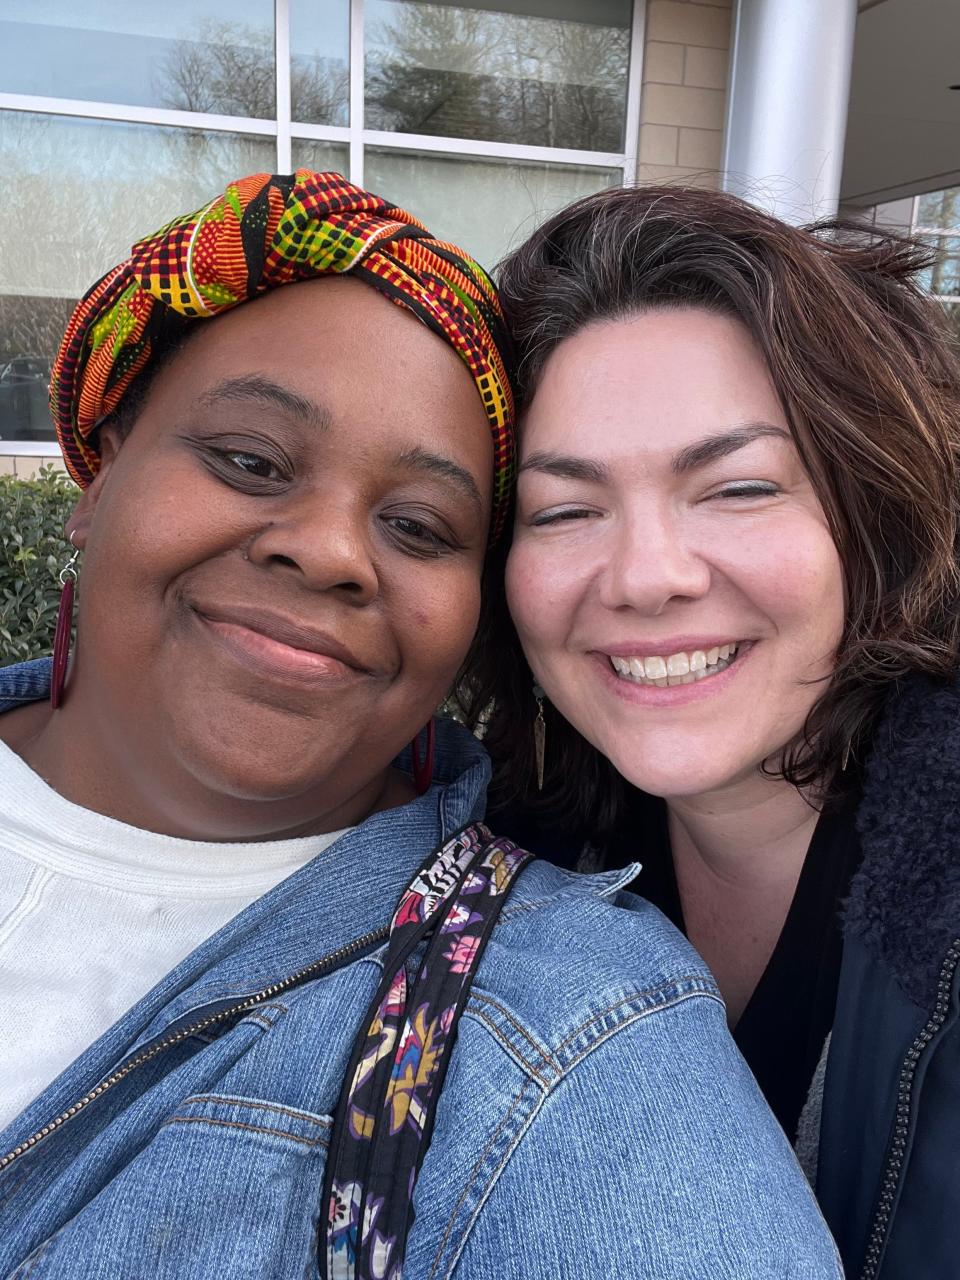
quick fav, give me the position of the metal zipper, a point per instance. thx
(894, 1163)
(314, 970)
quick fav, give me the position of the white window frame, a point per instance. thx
(355, 135)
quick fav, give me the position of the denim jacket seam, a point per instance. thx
(319, 1141)
(530, 1069)
(628, 1009)
(704, 990)
(255, 1104)
(35, 1256)
(650, 1000)
(544, 1057)
(628, 1020)
(472, 1178)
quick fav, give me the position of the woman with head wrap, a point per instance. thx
(227, 1021)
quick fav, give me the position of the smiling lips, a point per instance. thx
(678, 668)
(276, 646)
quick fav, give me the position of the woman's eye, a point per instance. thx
(748, 489)
(415, 532)
(252, 463)
(558, 517)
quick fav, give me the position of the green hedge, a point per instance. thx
(33, 550)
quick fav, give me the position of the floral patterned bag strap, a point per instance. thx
(384, 1119)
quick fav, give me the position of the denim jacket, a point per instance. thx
(596, 1121)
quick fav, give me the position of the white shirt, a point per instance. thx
(94, 913)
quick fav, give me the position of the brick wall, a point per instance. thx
(684, 93)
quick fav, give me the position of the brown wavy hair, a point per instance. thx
(868, 374)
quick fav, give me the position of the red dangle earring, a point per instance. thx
(61, 637)
(423, 769)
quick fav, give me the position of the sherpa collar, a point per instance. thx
(904, 901)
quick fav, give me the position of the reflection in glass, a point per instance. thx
(191, 55)
(944, 275)
(320, 61)
(486, 207)
(67, 225)
(952, 310)
(939, 209)
(322, 157)
(520, 73)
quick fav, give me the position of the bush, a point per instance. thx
(33, 550)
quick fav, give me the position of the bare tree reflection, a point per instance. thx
(227, 68)
(537, 81)
(87, 225)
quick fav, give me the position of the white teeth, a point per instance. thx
(678, 668)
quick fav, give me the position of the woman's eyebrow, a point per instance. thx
(712, 448)
(436, 464)
(566, 467)
(255, 387)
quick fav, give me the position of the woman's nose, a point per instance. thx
(649, 562)
(325, 543)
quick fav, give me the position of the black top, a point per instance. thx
(782, 1030)
(788, 1017)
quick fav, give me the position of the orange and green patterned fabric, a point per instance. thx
(263, 232)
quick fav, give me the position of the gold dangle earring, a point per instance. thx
(539, 735)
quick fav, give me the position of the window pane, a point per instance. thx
(487, 207)
(952, 310)
(517, 72)
(322, 157)
(62, 226)
(939, 209)
(944, 275)
(320, 61)
(193, 55)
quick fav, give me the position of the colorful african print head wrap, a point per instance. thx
(263, 232)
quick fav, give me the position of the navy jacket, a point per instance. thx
(888, 1176)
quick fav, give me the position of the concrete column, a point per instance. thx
(787, 104)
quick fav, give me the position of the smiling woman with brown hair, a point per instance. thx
(734, 579)
(245, 927)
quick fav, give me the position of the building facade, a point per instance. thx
(482, 116)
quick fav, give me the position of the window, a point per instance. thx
(481, 116)
(188, 55)
(936, 219)
(517, 72)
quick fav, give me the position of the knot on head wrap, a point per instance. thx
(263, 232)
